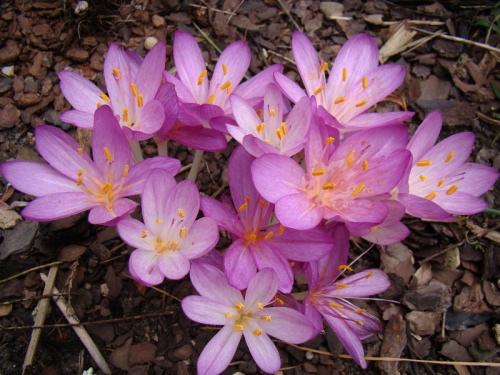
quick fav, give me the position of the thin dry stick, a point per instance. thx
(297, 26)
(233, 13)
(43, 307)
(457, 39)
(28, 271)
(208, 8)
(282, 56)
(80, 331)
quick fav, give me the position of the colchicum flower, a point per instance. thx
(248, 316)
(439, 182)
(255, 244)
(343, 185)
(73, 183)
(132, 83)
(355, 84)
(270, 130)
(170, 237)
(327, 296)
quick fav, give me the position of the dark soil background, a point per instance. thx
(449, 306)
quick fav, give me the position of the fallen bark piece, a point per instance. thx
(393, 345)
(456, 352)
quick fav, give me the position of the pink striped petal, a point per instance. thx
(148, 78)
(202, 237)
(56, 206)
(80, 119)
(206, 311)
(219, 351)
(283, 318)
(174, 265)
(103, 216)
(82, 94)
(263, 350)
(239, 264)
(143, 267)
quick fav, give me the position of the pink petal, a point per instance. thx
(174, 265)
(291, 89)
(118, 86)
(80, 119)
(460, 203)
(151, 119)
(202, 237)
(244, 115)
(148, 79)
(183, 93)
(255, 146)
(468, 175)
(157, 191)
(361, 284)
(239, 264)
(262, 288)
(263, 350)
(219, 351)
(225, 218)
(266, 256)
(426, 135)
(103, 216)
(132, 231)
(58, 205)
(206, 311)
(199, 138)
(287, 325)
(143, 266)
(388, 235)
(82, 94)
(251, 90)
(423, 208)
(298, 212)
(373, 119)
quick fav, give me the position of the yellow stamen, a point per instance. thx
(374, 227)
(80, 172)
(358, 322)
(280, 134)
(140, 100)
(451, 190)
(224, 69)
(227, 86)
(228, 315)
(282, 228)
(162, 81)
(341, 286)
(161, 247)
(344, 267)
(242, 207)
(183, 232)
(335, 305)
(252, 237)
(360, 311)
(268, 236)
(125, 115)
(283, 127)
(323, 67)
(339, 100)
(257, 332)
(365, 165)
(181, 212)
(365, 85)
(318, 90)
(210, 99)
(99, 105)
(260, 305)
(107, 154)
(159, 221)
(80, 151)
(238, 328)
(328, 186)
(318, 172)
(423, 178)
(125, 170)
(260, 127)
(106, 188)
(358, 190)
(262, 203)
(349, 159)
(104, 97)
(431, 196)
(266, 318)
(424, 163)
(174, 245)
(135, 92)
(239, 305)
(361, 103)
(279, 301)
(247, 199)
(116, 73)
(449, 157)
(267, 141)
(441, 181)
(329, 141)
(292, 264)
(144, 234)
(344, 74)
(201, 76)
(370, 274)
(79, 181)
(259, 113)
(272, 112)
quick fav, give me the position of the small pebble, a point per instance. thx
(150, 42)
(8, 70)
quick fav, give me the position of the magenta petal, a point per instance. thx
(266, 256)
(460, 203)
(219, 351)
(183, 93)
(373, 119)
(143, 267)
(36, 178)
(297, 212)
(210, 282)
(426, 135)
(226, 219)
(151, 119)
(263, 350)
(58, 205)
(199, 138)
(82, 94)
(283, 319)
(205, 311)
(78, 118)
(423, 208)
(174, 265)
(202, 237)
(131, 231)
(252, 90)
(103, 216)
(148, 79)
(313, 315)
(239, 264)
(291, 89)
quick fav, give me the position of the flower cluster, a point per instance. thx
(307, 175)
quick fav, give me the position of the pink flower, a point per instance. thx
(248, 316)
(170, 237)
(73, 183)
(132, 83)
(327, 296)
(355, 84)
(439, 182)
(255, 244)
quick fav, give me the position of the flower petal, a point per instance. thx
(219, 351)
(460, 203)
(239, 264)
(287, 325)
(298, 212)
(202, 237)
(173, 264)
(290, 88)
(266, 256)
(262, 288)
(82, 94)
(104, 216)
(251, 90)
(78, 118)
(263, 350)
(225, 218)
(151, 119)
(143, 267)
(58, 205)
(423, 208)
(374, 120)
(211, 283)
(206, 311)
(148, 78)
(157, 191)
(199, 138)
(426, 135)
(132, 232)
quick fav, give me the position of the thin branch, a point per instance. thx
(28, 271)
(297, 26)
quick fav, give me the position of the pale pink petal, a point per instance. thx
(359, 211)
(262, 288)
(143, 267)
(298, 212)
(244, 115)
(173, 264)
(226, 219)
(118, 85)
(426, 135)
(210, 282)
(262, 349)
(206, 311)
(148, 78)
(80, 119)
(157, 190)
(151, 119)
(362, 284)
(467, 176)
(460, 203)
(266, 256)
(373, 119)
(239, 264)
(58, 205)
(291, 89)
(423, 208)
(82, 94)
(388, 235)
(287, 325)
(252, 90)
(104, 216)
(219, 351)
(257, 147)
(183, 93)
(132, 232)
(202, 237)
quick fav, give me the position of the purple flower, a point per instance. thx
(355, 84)
(221, 304)
(341, 185)
(132, 84)
(439, 182)
(327, 296)
(255, 244)
(273, 130)
(201, 99)
(170, 236)
(74, 183)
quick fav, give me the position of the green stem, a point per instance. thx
(193, 173)
(492, 211)
(136, 149)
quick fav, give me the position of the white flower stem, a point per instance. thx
(136, 149)
(193, 173)
(162, 147)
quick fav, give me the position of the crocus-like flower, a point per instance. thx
(439, 182)
(250, 317)
(327, 296)
(201, 100)
(132, 84)
(256, 245)
(170, 236)
(356, 83)
(271, 131)
(339, 185)
(74, 183)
